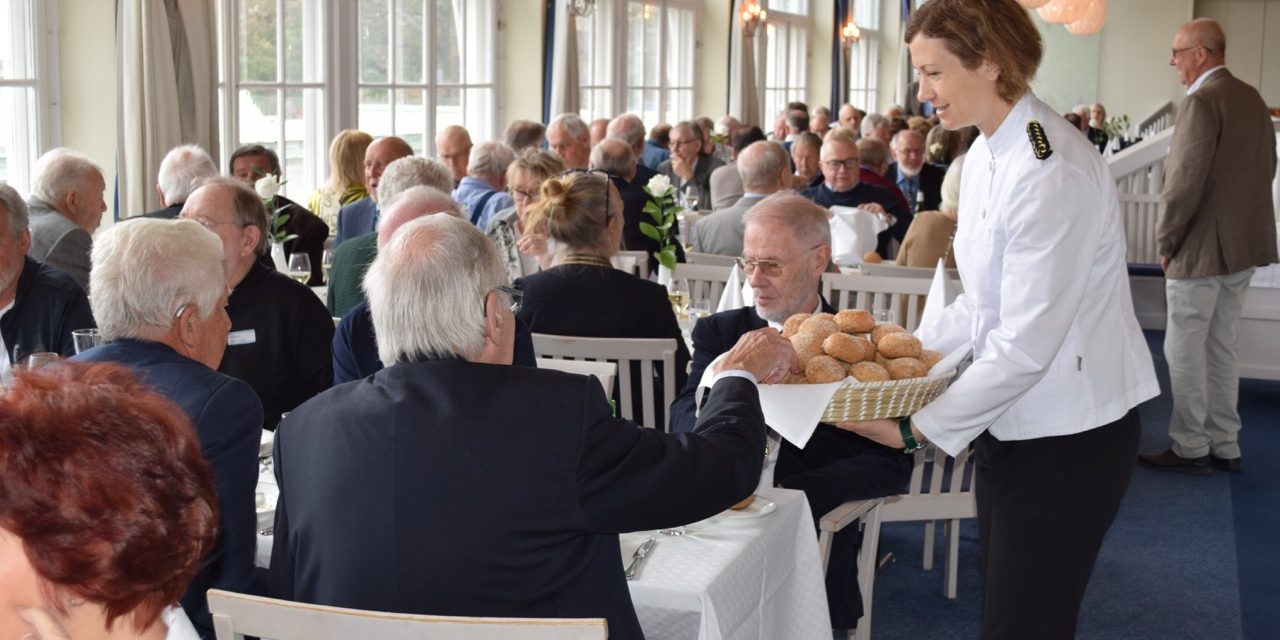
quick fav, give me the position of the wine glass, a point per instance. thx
(300, 267)
(690, 199)
(40, 359)
(326, 263)
(885, 316)
(678, 294)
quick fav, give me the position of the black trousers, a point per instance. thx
(837, 466)
(1044, 506)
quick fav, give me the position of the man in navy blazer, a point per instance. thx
(159, 289)
(919, 181)
(786, 247)
(453, 483)
(361, 217)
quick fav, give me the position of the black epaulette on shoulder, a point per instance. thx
(1039, 142)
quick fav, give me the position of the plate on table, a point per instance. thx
(759, 507)
(265, 443)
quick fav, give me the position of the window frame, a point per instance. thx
(797, 88)
(46, 86)
(864, 63)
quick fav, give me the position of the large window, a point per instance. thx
(25, 105)
(866, 56)
(786, 52)
(302, 70)
(654, 75)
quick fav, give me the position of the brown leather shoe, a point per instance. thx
(1167, 460)
(1225, 464)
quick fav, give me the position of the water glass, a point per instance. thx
(885, 316)
(85, 339)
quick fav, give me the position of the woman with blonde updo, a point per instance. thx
(346, 176)
(582, 294)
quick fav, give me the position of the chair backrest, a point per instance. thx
(635, 262)
(605, 372)
(705, 280)
(625, 352)
(236, 615)
(904, 296)
(941, 488)
(899, 271)
(693, 257)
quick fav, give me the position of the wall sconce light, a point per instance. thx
(581, 8)
(850, 34)
(752, 17)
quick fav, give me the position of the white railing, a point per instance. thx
(1158, 121)
(1139, 174)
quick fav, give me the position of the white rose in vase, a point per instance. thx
(659, 185)
(267, 186)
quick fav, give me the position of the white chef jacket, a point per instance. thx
(1046, 305)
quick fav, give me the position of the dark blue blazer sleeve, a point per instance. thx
(709, 341)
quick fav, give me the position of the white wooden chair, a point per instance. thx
(605, 372)
(236, 615)
(705, 280)
(899, 271)
(644, 353)
(635, 262)
(905, 296)
(693, 257)
(922, 502)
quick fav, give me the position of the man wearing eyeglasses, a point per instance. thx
(840, 164)
(786, 247)
(689, 169)
(1217, 226)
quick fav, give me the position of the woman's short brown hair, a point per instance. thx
(995, 31)
(104, 483)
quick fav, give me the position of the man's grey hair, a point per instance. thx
(427, 290)
(60, 172)
(615, 157)
(694, 128)
(871, 122)
(145, 271)
(573, 125)
(183, 169)
(873, 152)
(806, 221)
(628, 128)
(249, 209)
(412, 171)
(898, 137)
(15, 210)
(761, 163)
(489, 160)
(525, 134)
(416, 202)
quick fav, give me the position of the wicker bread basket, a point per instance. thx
(856, 401)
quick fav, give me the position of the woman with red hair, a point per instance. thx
(106, 507)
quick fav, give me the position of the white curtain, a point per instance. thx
(744, 89)
(564, 63)
(168, 78)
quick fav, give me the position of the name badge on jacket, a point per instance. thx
(248, 336)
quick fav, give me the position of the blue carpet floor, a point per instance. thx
(1188, 557)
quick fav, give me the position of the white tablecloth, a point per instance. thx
(730, 578)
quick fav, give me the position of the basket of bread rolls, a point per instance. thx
(884, 367)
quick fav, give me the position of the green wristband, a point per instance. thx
(911, 446)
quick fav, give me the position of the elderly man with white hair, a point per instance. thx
(355, 352)
(280, 331)
(497, 490)
(183, 169)
(689, 169)
(159, 290)
(351, 259)
(920, 182)
(39, 305)
(483, 191)
(765, 170)
(570, 138)
(65, 208)
(629, 128)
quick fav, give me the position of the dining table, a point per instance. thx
(750, 574)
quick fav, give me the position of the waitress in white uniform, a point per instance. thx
(1059, 362)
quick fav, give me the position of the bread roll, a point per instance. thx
(883, 329)
(807, 345)
(819, 326)
(794, 378)
(855, 321)
(792, 325)
(869, 372)
(902, 368)
(872, 257)
(746, 502)
(821, 369)
(930, 357)
(899, 344)
(848, 348)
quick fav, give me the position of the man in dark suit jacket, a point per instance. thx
(919, 181)
(689, 169)
(452, 483)
(788, 246)
(42, 304)
(176, 265)
(253, 162)
(1217, 226)
(843, 187)
(361, 217)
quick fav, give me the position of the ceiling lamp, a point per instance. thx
(1063, 11)
(1092, 20)
(1032, 4)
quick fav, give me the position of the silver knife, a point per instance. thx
(640, 554)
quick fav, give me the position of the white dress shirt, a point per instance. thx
(1046, 303)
